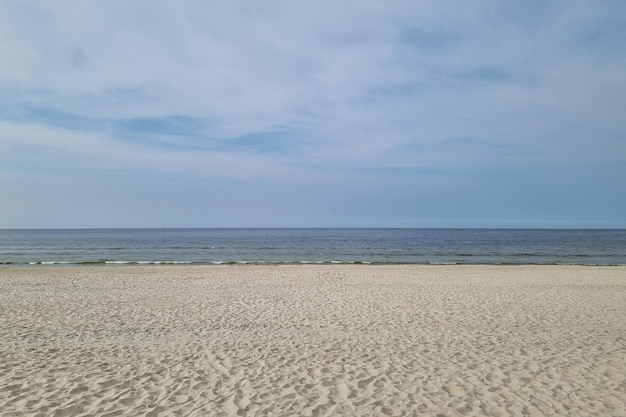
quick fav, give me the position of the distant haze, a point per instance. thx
(304, 114)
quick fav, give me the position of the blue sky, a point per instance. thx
(310, 114)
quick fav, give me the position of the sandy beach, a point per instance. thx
(314, 340)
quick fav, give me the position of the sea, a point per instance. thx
(312, 246)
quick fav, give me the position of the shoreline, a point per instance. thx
(97, 264)
(330, 339)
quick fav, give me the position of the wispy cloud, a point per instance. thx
(427, 98)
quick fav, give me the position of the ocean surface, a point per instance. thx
(368, 246)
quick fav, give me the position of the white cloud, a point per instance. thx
(42, 148)
(365, 92)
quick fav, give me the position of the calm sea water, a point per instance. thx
(376, 246)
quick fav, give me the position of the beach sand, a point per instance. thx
(313, 340)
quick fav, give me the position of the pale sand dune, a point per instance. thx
(313, 341)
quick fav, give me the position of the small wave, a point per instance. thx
(162, 262)
(196, 247)
(147, 262)
(460, 261)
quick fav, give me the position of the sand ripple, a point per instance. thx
(313, 341)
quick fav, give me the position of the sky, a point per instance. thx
(276, 113)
